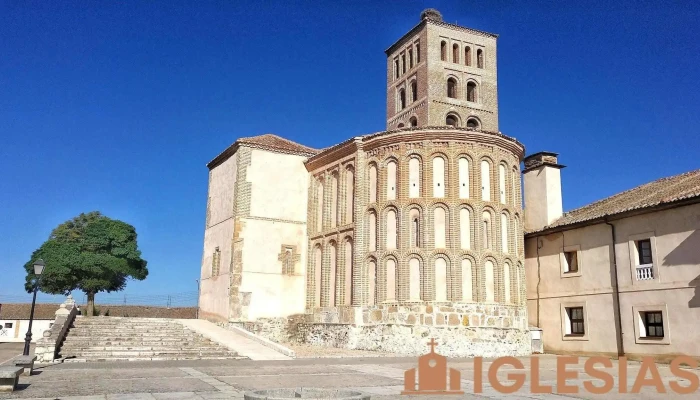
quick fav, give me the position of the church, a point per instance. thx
(390, 237)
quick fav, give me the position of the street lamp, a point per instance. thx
(38, 270)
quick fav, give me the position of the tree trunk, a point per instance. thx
(90, 304)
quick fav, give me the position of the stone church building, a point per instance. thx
(386, 238)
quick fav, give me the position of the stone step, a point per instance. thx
(95, 342)
(125, 359)
(127, 354)
(136, 348)
(100, 329)
(129, 333)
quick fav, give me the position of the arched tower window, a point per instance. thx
(490, 282)
(502, 183)
(413, 121)
(401, 125)
(349, 194)
(463, 167)
(372, 272)
(485, 180)
(506, 283)
(396, 68)
(443, 51)
(415, 226)
(504, 233)
(452, 88)
(472, 123)
(452, 120)
(402, 98)
(440, 220)
(372, 222)
(410, 58)
(414, 91)
(391, 230)
(391, 180)
(455, 53)
(414, 279)
(438, 177)
(465, 228)
(467, 280)
(486, 230)
(348, 272)
(403, 63)
(480, 58)
(471, 91)
(414, 177)
(468, 56)
(390, 279)
(372, 183)
(440, 279)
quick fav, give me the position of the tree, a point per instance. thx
(90, 252)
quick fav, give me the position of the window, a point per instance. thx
(417, 52)
(410, 58)
(485, 180)
(455, 53)
(653, 324)
(413, 121)
(440, 229)
(414, 177)
(372, 183)
(396, 68)
(571, 262)
(400, 125)
(452, 88)
(468, 56)
(416, 232)
(471, 91)
(319, 206)
(486, 230)
(403, 63)
(472, 123)
(443, 51)
(480, 58)
(414, 91)
(391, 178)
(335, 215)
(576, 324)
(8, 325)
(644, 251)
(402, 98)
(451, 120)
(288, 261)
(349, 194)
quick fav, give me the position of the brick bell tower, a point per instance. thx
(442, 74)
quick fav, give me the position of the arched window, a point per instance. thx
(348, 272)
(514, 180)
(417, 52)
(518, 281)
(414, 177)
(440, 279)
(414, 279)
(414, 91)
(414, 223)
(515, 236)
(471, 91)
(452, 88)
(468, 56)
(318, 266)
(319, 207)
(455, 53)
(452, 120)
(463, 166)
(465, 228)
(506, 283)
(402, 98)
(472, 123)
(391, 230)
(334, 200)
(396, 68)
(403, 63)
(410, 58)
(390, 279)
(372, 272)
(502, 183)
(400, 125)
(333, 271)
(440, 218)
(391, 180)
(480, 58)
(372, 222)
(413, 121)
(467, 294)
(443, 51)
(349, 194)
(438, 177)
(486, 230)
(372, 183)
(490, 282)
(485, 180)
(504, 233)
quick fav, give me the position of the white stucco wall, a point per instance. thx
(18, 331)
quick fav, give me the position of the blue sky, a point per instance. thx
(118, 106)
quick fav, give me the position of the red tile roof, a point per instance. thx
(267, 141)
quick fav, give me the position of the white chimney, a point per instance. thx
(542, 181)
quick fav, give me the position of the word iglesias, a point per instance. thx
(648, 375)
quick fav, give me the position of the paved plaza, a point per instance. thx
(381, 377)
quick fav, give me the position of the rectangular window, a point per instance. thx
(576, 320)
(8, 325)
(417, 52)
(571, 259)
(654, 324)
(644, 251)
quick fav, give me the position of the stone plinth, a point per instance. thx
(304, 393)
(26, 362)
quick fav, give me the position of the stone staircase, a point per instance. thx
(136, 339)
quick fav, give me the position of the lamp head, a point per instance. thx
(39, 267)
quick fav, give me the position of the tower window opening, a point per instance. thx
(413, 121)
(451, 120)
(455, 53)
(396, 68)
(402, 98)
(472, 123)
(468, 56)
(403, 63)
(414, 91)
(410, 58)
(417, 52)
(452, 88)
(471, 91)
(480, 58)
(443, 51)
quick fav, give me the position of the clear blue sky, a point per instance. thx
(118, 106)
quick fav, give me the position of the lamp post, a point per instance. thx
(38, 269)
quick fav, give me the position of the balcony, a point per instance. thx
(645, 272)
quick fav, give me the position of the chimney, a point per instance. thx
(542, 181)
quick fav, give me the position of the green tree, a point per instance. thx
(90, 252)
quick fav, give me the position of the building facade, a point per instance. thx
(617, 277)
(414, 229)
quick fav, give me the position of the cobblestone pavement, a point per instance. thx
(381, 377)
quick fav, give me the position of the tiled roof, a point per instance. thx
(22, 311)
(657, 193)
(266, 141)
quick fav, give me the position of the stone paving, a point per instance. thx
(382, 378)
